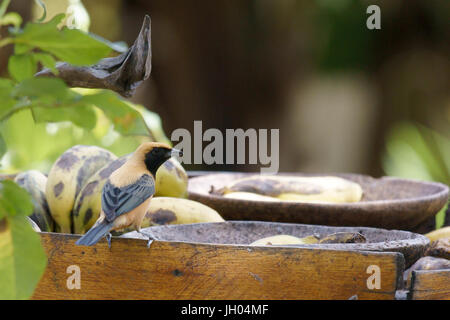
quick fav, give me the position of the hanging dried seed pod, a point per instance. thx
(123, 73)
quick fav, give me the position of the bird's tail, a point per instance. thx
(95, 234)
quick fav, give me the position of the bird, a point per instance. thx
(128, 191)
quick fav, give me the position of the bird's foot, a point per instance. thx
(149, 236)
(108, 238)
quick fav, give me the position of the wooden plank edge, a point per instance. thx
(420, 288)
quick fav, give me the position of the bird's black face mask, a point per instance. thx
(157, 156)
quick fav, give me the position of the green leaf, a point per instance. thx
(11, 18)
(6, 86)
(81, 115)
(69, 45)
(14, 200)
(5, 107)
(7, 102)
(52, 88)
(47, 61)
(126, 120)
(20, 48)
(39, 30)
(2, 146)
(21, 66)
(22, 258)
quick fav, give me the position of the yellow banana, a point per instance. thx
(171, 180)
(439, 234)
(34, 182)
(87, 205)
(68, 176)
(166, 210)
(250, 196)
(284, 239)
(301, 189)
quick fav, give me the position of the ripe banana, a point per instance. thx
(439, 234)
(284, 239)
(34, 182)
(166, 210)
(171, 180)
(300, 189)
(87, 205)
(67, 177)
(250, 196)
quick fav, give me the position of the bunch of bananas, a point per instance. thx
(69, 199)
(293, 188)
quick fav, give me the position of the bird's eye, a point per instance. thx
(156, 151)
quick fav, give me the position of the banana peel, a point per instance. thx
(284, 239)
(249, 196)
(294, 188)
(439, 234)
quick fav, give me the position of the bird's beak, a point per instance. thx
(176, 153)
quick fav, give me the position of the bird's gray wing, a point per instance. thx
(117, 201)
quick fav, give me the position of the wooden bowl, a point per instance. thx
(388, 202)
(411, 245)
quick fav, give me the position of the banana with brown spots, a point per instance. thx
(67, 177)
(295, 188)
(167, 210)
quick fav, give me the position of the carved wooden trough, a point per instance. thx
(387, 202)
(214, 261)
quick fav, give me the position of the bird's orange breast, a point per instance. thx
(133, 218)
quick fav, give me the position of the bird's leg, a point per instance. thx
(108, 238)
(150, 237)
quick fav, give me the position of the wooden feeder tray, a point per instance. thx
(214, 261)
(388, 202)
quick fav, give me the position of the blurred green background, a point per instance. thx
(345, 98)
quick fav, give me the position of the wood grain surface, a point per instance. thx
(177, 270)
(430, 285)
